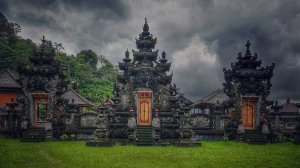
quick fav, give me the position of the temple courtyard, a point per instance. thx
(60, 154)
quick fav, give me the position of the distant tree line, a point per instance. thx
(91, 75)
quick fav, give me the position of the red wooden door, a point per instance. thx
(248, 115)
(248, 111)
(144, 107)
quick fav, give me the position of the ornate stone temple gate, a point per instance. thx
(248, 85)
(145, 109)
(43, 82)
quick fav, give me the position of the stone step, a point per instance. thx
(144, 144)
(255, 138)
(144, 136)
(144, 130)
(144, 127)
(144, 141)
(34, 135)
(144, 133)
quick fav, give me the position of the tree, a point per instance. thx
(8, 31)
(13, 49)
(89, 57)
(58, 47)
(91, 82)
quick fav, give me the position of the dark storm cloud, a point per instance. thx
(4, 6)
(78, 25)
(273, 29)
(50, 12)
(200, 37)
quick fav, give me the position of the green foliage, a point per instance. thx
(88, 57)
(8, 31)
(63, 137)
(14, 153)
(11, 55)
(13, 49)
(226, 137)
(280, 137)
(94, 83)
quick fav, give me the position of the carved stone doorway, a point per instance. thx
(40, 109)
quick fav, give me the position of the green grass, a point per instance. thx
(211, 154)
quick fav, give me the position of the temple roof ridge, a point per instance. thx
(214, 97)
(145, 41)
(146, 26)
(248, 44)
(9, 79)
(78, 99)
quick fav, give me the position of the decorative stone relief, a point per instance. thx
(87, 121)
(131, 122)
(200, 122)
(156, 122)
(124, 99)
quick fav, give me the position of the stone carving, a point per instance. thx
(125, 100)
(131, 122)
(88, 121)
(156, 122)
(201, 122)
(101, 133)
(85, 137)
(101, 121)
(186, 133)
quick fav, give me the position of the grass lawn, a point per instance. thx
(14, 153)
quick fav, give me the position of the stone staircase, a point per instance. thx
(34, 134)
(255, 137)
(49, 136)
(144, 136)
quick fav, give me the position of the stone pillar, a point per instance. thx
(277, 122)
(186, 132)
(11, 113)
(297, 133)
(102, 132)
(218, 122)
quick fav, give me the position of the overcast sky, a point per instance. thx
(200, 37)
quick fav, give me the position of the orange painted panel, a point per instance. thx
(144, 111)
(248, 111)
(144, 107)
(5, 98)
(248, 115)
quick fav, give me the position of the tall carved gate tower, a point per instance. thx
(43, 81)
(248, 85)
(143, 111)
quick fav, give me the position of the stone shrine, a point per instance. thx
(247, 84)
(145, 109)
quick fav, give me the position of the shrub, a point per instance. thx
(280, 137)
(63, 137)
(226, 137)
